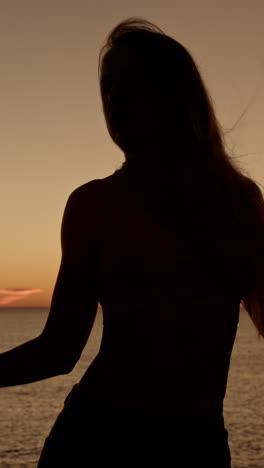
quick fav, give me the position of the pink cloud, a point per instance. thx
(8, 295)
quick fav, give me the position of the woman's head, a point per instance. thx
(159, 112)
(152, 93)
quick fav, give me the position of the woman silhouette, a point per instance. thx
(170, 244)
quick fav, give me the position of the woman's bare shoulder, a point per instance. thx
(85, 211)
(95, 189)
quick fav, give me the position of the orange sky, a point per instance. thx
(53, 135)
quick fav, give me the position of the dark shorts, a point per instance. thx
(88, 435)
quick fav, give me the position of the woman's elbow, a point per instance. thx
(61, 367)
(68, 366)
(65, 364)
(57, 358)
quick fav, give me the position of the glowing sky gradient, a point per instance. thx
(53, 135)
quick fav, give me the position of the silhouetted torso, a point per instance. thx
(169, 324)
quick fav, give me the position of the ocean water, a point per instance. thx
(27, 412)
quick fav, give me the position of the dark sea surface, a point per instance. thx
(27, 412)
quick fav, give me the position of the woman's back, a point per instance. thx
(169, 320)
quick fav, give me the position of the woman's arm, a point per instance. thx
(74, 302)
(29, 362)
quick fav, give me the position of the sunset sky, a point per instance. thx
(53, 136)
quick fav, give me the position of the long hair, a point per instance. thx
(222, 208)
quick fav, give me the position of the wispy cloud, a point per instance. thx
(9, 295)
